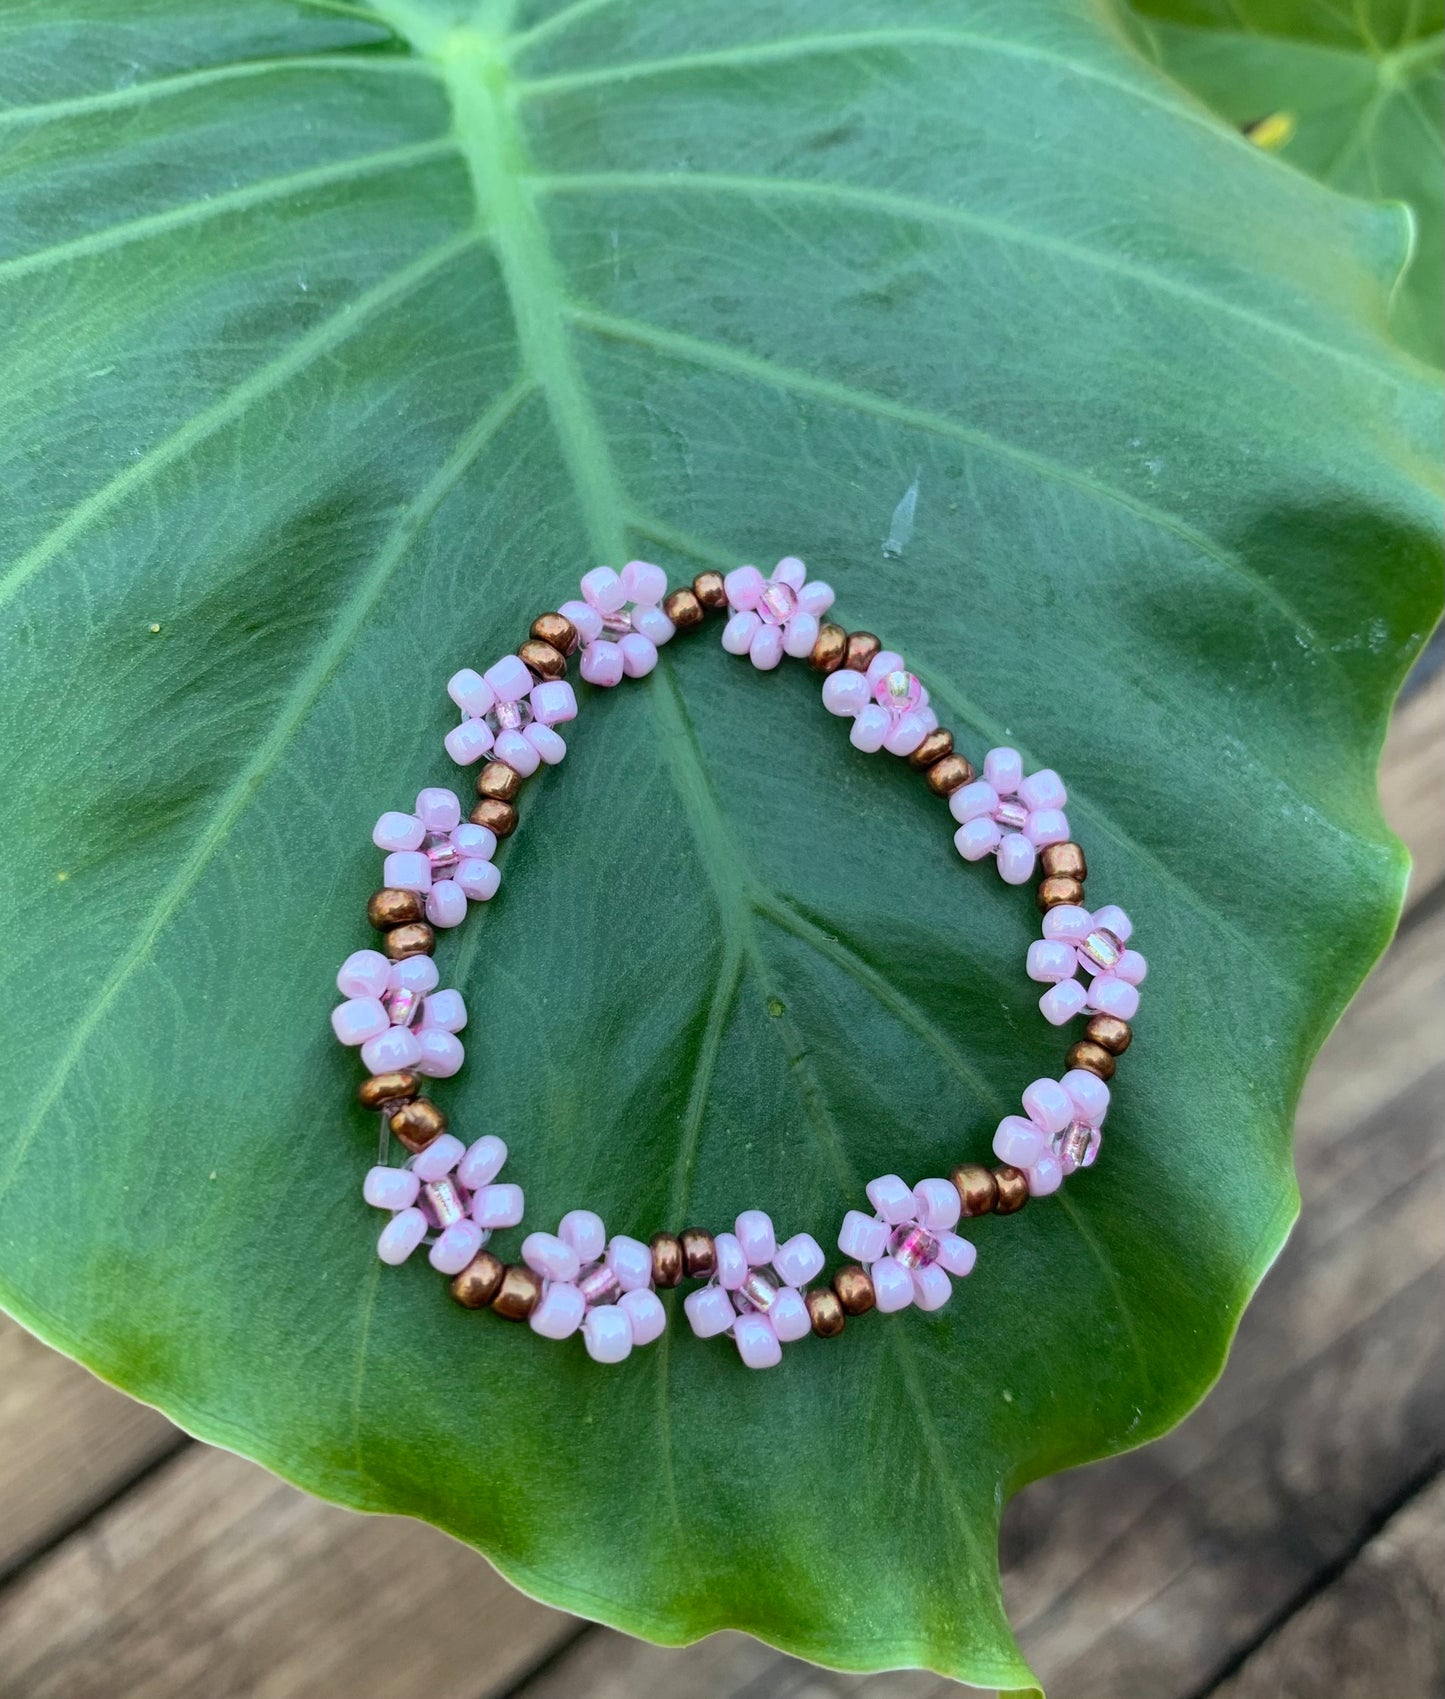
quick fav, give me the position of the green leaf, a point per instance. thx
(1360, 95)
(333, 350)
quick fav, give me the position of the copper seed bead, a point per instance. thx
(1064, 861)
(499, 780)
(708, 588)
(391, 906)
(415, 940)
(555, 629)
(683, 608)
(1115, 1035)
(382, 1091)
(853, 1287)
(497, 816)
(1053, 891)
(830, 648)
(825, 1311)
(862, 647)
(699, 1253)
(1092, 1058)
(1013, 1189)
(976, 1187)
(666, 1259)
(933, 748)
(950, 774)
(417, 1123)
(479, 1282)
(543, 659)
(518, 1292)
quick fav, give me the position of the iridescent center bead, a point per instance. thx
(619, 624)
(898, 691)
(778, 603)
(757, 1291)
(1103, 948)
(509, 716)
(1077, 1146)
(403, 1005)
(443, 1202)
(913, 1246)
(1012, 814)
(599, 1285)
(442, 855)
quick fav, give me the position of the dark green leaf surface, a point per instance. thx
(1362, 90)
(332, 351)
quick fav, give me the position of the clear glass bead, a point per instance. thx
(403, 1005)
(618, 624)
(913, 1246)
(899, 692)
(778, 603)
(1077, 1146)
(1102, 948)
(1011, 814)
(443, 1202)
(599, 1285)
(509, 716)
(442, 855)
(757, 1292)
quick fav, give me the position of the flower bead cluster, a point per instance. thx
(1009, 816)
(510, 716)
(887, 705)
(437, 854)
(908, 1246)
(1077, 941)
(755, 1291)
(602, 1286)
(395, 1013)
(447, 1190)
(774, 616)
(619, 621)
(1058, 1132)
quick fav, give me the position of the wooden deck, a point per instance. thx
(1285, 1543)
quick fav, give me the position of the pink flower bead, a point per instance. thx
(643, 583)
(773, 616)
(393, 1049)
(1089, 1093)
(497, 1206)
(789, 1318)
(482, 1162)
(361, 1018)
(845, 692)
(931, 1287)
(600, 1286)
(546, 742)
(758, 1345)
(766, 649)
(560, 1312)
(550, 1256)
(479, 879)
(1018, 1141)
(364, 973)
(439, 1055)
(601, 664)
(884, 662)
(1049, 1106)
(409, 870)
(456, 1246)
(1045, 1175)
(434, 1192)
(1026, 812)
(607, 1333)
(438, 809)
(585, 618)
(401, 1236)
(870, 727)
(603, 589)
(891, 1198)
(554, 701)
(709, 1311)
(743, 588)
(892, 1286)
(510, 679)
(468, 742)
(1076, 941)
(645, 1314)
(471, 692)
(397, 831)
(754, 1292)
(909, 1248)
(937, 1204)
(630, 1261)
(639, 654)
(446, 904)
(390, 1188)
(732, 1263)
(439, 1158)
(799, 1260)
(739, 632)
(654, 625)
(754, 1231)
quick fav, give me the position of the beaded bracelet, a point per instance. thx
(753, 1288)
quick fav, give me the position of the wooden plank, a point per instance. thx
(1379, 1629)
(67, 1439)
(217, 1581)
(1412, 782)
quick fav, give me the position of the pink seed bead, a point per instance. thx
(479, 879)
(1062, 1002)
(497, 1206)
(1046, 827)
(359, 1019)
(1050, 961)
(509, 678)
(936, 1204)
(471, 692)
(585, 618)
(416, 973)
(439, 1054)
(790, 571)
(799, 1259)
(1113, 919)
(546, 742)
(446, 904)
(1068, 923)
(1045, 1175)
(816, 598)
(456, 1246)
(513, 748)
(743, 588)
(955, 1255)
(395, 1048)
(862, 1237)
(363, 974)
(891, 1198)
(1018, 1141)
(1048, 1106)
(631, 1261)
(766, 649)
(582, 1229)
(732, 1263)
(644, 583)
(892, 1286)
(468, 742)
(754, 1230)
(551, 1257)
(1016, 858)
(758, 1345)
(1089, 1093)
(639, 654)
(396, 831)
(446, 1010)
(909, 730)
(1131, 968)
(738, 633)
(390, 1188)
(845, 692)
(1113, 996)
(976, 839)
(789, 1316)
(978, 801)
(554, 701)
(799, 636)
(885, 661)
(870, 728)
(601, 664)
(401, 1236)
(408, 869)
(607, 1334)
(438, 808)
(1043, 790)
(438, 1159)
(560, 1313)
(603, 589)
(931, 1287)
(1004, 770)
(645, 1314)
(482, 1162)
(654, 625)
(709, 1311)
